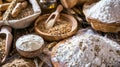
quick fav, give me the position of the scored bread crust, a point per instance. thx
(99, 25)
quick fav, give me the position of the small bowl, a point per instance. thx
(25, 51)
(50, 37)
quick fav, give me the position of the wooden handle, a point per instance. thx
(59, 8)
(50, 23)
(6, 29)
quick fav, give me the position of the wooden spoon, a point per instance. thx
(7, 31)
(50, 22)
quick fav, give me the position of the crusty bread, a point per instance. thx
(104, 15)
(86, 50)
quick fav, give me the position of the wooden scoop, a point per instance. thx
(55, 15)
(7, 31)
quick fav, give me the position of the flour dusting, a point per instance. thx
(29, 42)
(88, 50)
(107, 11)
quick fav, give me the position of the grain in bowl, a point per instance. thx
(64, 27)
(2, 47)
(58, 29)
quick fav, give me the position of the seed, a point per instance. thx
(58, 29)
(2, 48)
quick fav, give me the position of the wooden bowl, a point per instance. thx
(29, 54)
(50, 37)
(34, 41)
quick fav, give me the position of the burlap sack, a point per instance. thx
(25, 21)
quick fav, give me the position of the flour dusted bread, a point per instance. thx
(86, 50)
(104, 15)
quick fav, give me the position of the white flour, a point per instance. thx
(107, 11)
(29, 42)
(88, 50)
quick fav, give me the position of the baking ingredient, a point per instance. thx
(1, 2)
(106, 11)
(87, 50)
(7, 12)
(20, 63)
(29, 42)
(2, 48)
(24, 4)
(59, 28)
(24, 13)
(16, 10)
(4, 7)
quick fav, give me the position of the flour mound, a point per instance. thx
(107, 11)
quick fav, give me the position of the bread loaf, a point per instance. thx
(86, 50)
